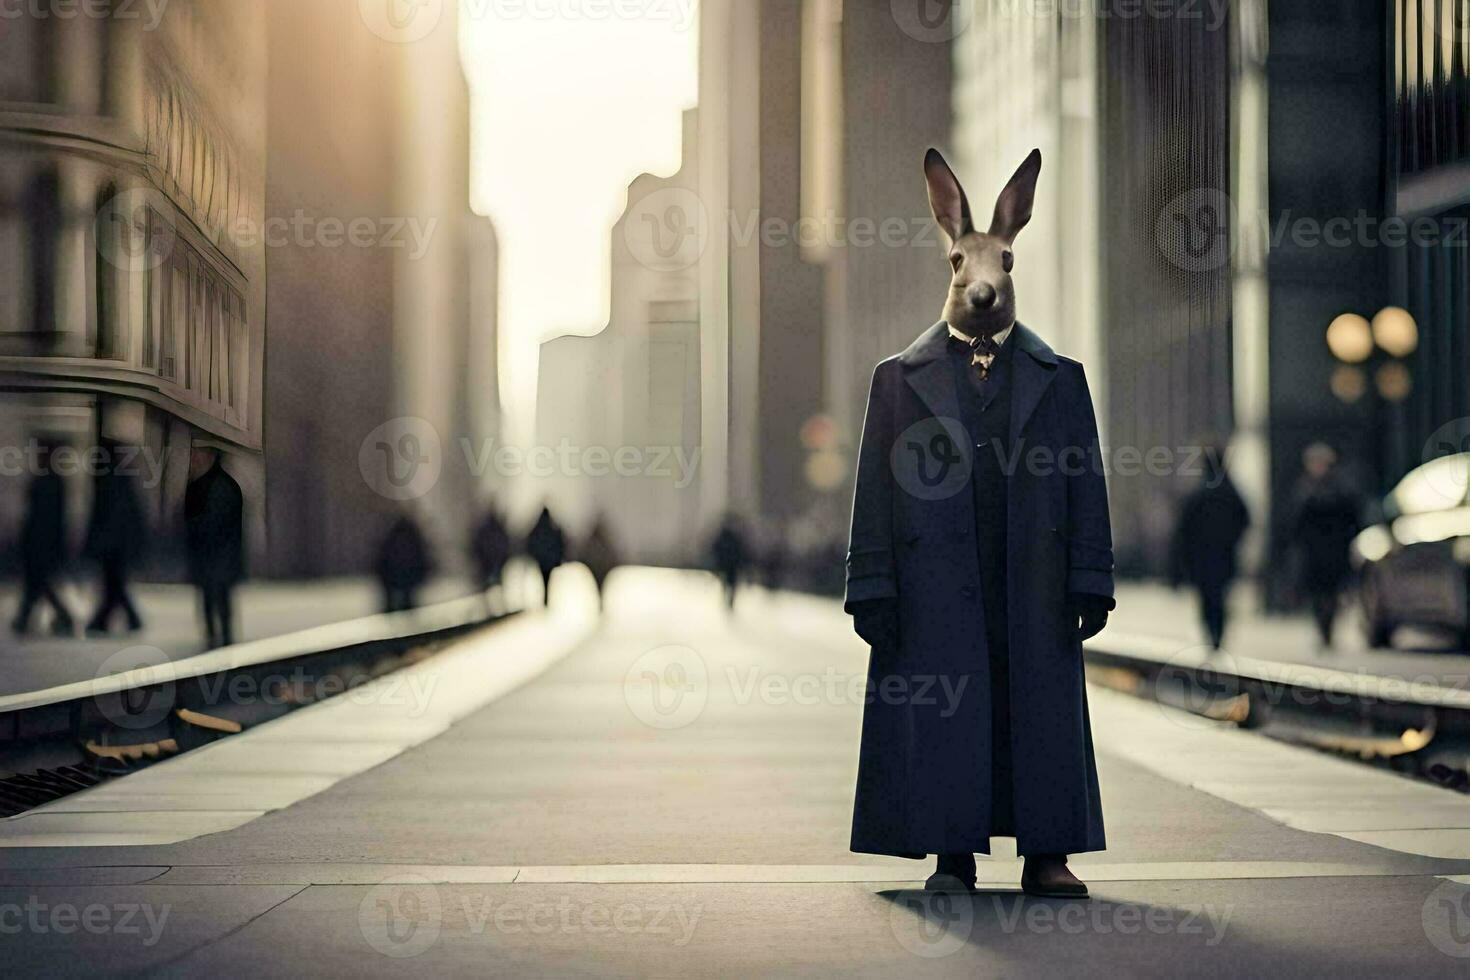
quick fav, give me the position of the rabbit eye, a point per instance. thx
(1008, 260)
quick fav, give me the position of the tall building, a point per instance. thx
(395, 321)
(131, 150)
(1127, 262)
(620, 414)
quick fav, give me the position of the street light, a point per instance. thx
(1391, 336)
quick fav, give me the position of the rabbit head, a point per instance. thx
(982, 296)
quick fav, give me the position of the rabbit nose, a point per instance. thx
(982, 295)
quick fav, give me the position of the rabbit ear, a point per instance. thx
(1013, 208)
(946, 197)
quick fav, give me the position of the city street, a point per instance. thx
(668, 792)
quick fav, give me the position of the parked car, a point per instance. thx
(1415, 566)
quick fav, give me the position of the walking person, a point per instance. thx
(730, 554)
(599, 554)
(1325, 521)
(490, 550)
(214, 539)
(546, 544)
(978, 577)
(403, 565)
(43, 548)
(1212, 520)
(115, 539)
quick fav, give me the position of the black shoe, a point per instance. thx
(952, 873)
(1047, 876)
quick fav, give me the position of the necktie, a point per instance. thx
(982, 353)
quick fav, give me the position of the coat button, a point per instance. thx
(968, 592)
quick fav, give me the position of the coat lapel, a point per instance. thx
(1033, 374)
(928, 372)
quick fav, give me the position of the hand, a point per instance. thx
(876, 621)
(1089, 612)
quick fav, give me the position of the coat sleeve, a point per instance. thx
(870, 566)
(1089, 532)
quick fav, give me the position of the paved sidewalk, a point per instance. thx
(672, 798)
(1158, 612)
(172, 624)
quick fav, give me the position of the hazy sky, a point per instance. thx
(568, 109)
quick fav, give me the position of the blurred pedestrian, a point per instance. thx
(774, 556)
(599, 554)
(546, 543)
(214, 542)
(729, 555)
(403, 565)
(43, 547)
(490, 548)
(1212, 520)
(116, 538)
(1325, 519)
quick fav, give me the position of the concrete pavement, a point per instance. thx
(172, 625)
(670, 795)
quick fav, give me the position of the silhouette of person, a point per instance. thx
(490, 548)
(730, 555)
(214, 541)
(546, 544)
(403, 564)
(774, 557)
(599, 554)
(43, 547)
(1212, 520)
(115, 538)
(1324, 523)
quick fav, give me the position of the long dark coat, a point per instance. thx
(924, 779)
(214, 529)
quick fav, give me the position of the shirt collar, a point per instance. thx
(1000, 338)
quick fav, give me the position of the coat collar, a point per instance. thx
(928, 372)
(931, 345)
